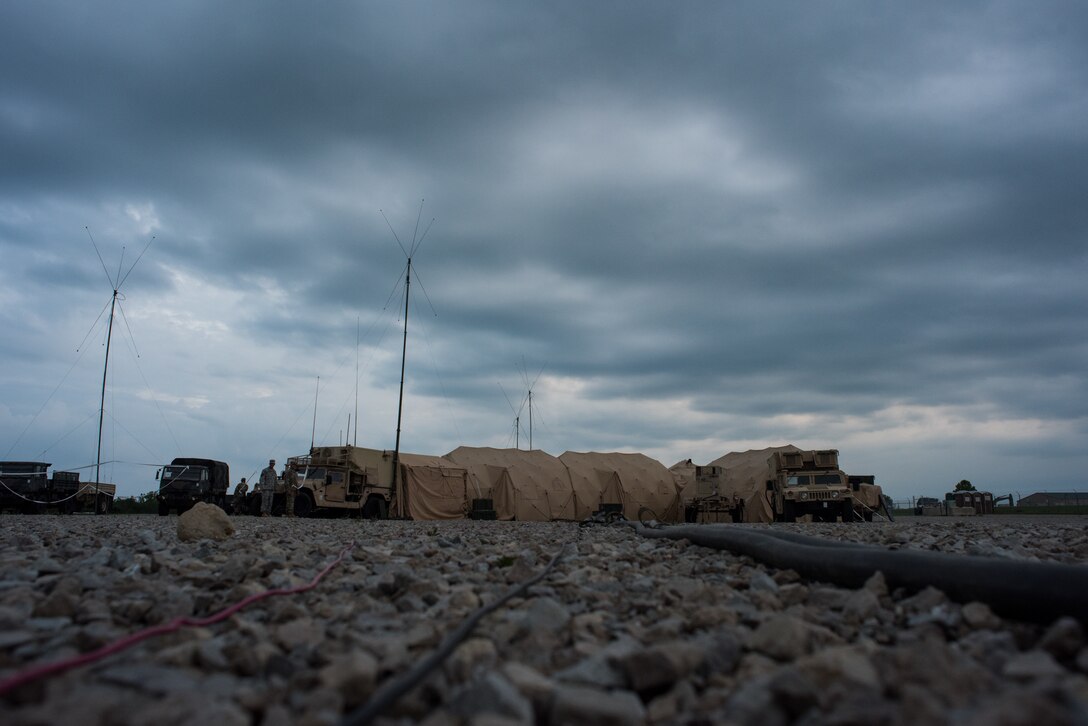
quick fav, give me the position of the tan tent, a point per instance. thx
(683, 473)
(635, 480)
(525, 485)
(435, 487)
(745, 474)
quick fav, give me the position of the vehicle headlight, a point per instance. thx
(835, 495)
(804, 495)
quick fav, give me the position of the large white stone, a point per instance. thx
(204, 521)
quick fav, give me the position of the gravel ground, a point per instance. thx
(624, 630)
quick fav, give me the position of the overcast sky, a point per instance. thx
(697, 227)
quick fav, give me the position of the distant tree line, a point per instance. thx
(146, 503)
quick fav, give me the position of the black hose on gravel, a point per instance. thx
(1035, 591)
(394, 688)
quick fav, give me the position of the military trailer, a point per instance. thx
(711, 504)
(868, 497)
(186, 481)
(344, 480)
(25, 486)
(809, 483)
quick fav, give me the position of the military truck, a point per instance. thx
(344, 480)
(186, 481)
(711, 503)
(809, 483)
(25, 486)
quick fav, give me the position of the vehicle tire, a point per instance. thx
(788, 513)
(103, 504)
(304, 506)
(164, 508)
(847, 511)
(868, 515)
(375, 508)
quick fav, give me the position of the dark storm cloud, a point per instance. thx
(759, 210)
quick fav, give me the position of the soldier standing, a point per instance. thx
(267, 486)
(290, 488)
(240, 493)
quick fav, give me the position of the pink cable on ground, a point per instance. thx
(34, 674)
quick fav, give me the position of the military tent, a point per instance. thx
(634, 480)
(435, 487)
(683, 473)
(745, 474)
(525, 485)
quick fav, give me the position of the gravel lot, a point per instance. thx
(624, 630)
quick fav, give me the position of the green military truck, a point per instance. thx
(186, 481)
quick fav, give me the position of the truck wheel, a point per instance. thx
(868, 515)
(304, 506)
(847, 511)
(788, 514)
(164, 509)
(375, 508)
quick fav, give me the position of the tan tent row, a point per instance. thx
(535, 486)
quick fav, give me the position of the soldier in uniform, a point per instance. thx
(267, 487)
(290, 488)
(240, 493)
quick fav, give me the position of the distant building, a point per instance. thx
(1054, 499)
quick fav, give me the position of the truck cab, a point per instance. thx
(186, 481)
(810, 483)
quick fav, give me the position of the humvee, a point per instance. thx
(809, 482)
(346, 480)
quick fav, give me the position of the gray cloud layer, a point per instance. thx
(852, 225)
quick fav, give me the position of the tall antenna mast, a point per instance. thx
(530, 385)
(116, 284)
(355, 442)
(416, 242)
(102, 403)
(517, 418)
(313, 431)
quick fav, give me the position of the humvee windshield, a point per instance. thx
(308, 474)
(805, 480)
(185, 473)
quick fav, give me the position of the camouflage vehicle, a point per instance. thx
(345, 480)
(711, 504)
(186, 481)
(809, 482)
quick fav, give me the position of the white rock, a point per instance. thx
(204, 521)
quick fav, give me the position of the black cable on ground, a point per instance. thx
(1027, 590)
(394, 688)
